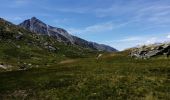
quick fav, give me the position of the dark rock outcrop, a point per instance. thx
(151, 50)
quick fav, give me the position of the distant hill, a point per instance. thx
(37, 26)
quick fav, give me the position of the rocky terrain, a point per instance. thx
(37, 26)
(151, 50)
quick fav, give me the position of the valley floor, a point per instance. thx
(111, 77)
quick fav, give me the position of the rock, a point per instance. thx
(2, 66)
(19, 36)
(51, 48)
(18, 46)
(23, 67)
(30, 43)
(99, 56)
(150, 51)
(37, 66)
(46, 43)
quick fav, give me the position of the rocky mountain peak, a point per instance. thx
(34, 18)
(37, 26)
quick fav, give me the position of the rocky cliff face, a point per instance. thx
(39, 27)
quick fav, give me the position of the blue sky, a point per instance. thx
(118, 23)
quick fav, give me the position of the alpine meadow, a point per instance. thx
(85, 50)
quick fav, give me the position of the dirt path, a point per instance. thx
(68, 61)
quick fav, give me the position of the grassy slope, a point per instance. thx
(113, 77)
(30, 48)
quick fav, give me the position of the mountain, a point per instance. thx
(22, 48)
(37, 26)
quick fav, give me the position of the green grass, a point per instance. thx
(109, 78)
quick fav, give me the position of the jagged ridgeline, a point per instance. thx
(43, 30)
(20, 46)
(37, 26)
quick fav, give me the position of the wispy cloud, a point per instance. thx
(19, 3)
(98, 28)
(168, 36)
(13, 18)
(129, 39)
(61, 21)
(78, 10)
(154, 13)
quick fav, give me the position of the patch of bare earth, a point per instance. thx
(68, 61)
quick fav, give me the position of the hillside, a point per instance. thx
(20, 48)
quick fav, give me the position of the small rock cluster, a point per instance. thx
(2, 66)
(24, 66)
(150, 51)
(50, 47)
(5, 66)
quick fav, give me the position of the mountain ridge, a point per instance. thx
(37, 26)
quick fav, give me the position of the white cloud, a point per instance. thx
(17, 19)
(132, 41)
(153, 14)
(13, 18)
(98, 28)
(61, 21)
(168, 36)
(19, 3)
(79, 10)
(152, 40)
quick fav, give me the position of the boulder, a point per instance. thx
(2, 66)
